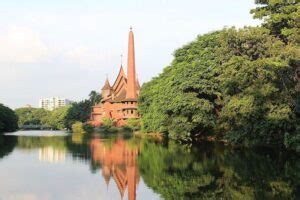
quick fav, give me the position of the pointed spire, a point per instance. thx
(121, 71)
(106, 85)
(131, 76)
(107, 179)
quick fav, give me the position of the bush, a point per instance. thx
(79, 127)
(88, 128)
(133, 124)
(108, 122)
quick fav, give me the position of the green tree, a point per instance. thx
(81, 111)
(94, 97)
(58, 117)
(237, 84)
(79, 127)
(32, 116)
(8, 119)
(280, 16)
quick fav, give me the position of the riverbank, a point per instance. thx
(160, 137)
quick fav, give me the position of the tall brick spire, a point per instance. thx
(131, 76)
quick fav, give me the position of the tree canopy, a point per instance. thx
(281, 17)
(81, 111)
(237, 84)
(32, 116)
(8, 119)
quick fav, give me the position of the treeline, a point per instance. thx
(60, 118)
(242, 85)
(8, 119)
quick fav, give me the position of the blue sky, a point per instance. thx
(66, 47)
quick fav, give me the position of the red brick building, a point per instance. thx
(119, 101)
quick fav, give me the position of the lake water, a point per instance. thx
(43, 165)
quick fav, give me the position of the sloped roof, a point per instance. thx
(120, 76)
(106, 85)
(121, 96)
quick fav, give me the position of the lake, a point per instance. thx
(45, 165)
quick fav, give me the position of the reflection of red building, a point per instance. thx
(119, 101)
(119, 162)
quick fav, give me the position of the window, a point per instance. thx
(131, 111)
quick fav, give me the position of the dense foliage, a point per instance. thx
(133, 124)
(59, 118)
(8, 119)
(236, 84)
(81, 111)
(41, 118)
(280, 16)
(79, 127)
(32, 116)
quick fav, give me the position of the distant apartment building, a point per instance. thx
(53, 102)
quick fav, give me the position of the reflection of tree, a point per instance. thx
(28, 142)
(214, 173)
(7, 145)
(77, 144)
(118, 159)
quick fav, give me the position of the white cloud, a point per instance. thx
(22, 45)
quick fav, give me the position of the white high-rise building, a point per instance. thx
(53, 102)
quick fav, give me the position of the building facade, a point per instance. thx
(53, 103)
(119, 101)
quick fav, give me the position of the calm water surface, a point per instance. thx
(42, 165)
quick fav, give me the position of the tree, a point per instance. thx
(8, 119)
(281, 17)
(58, 117)
(32, 116)
(94, 97)
(81, 111)
(236, 84)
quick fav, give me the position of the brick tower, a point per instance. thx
(119, 101)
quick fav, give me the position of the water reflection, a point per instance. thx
(7, 145)
(52, 155)
(144, 169)
(211, 171)
(119, 162)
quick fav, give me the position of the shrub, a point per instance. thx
(77, 127)
(108, 122)
(134, 124)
